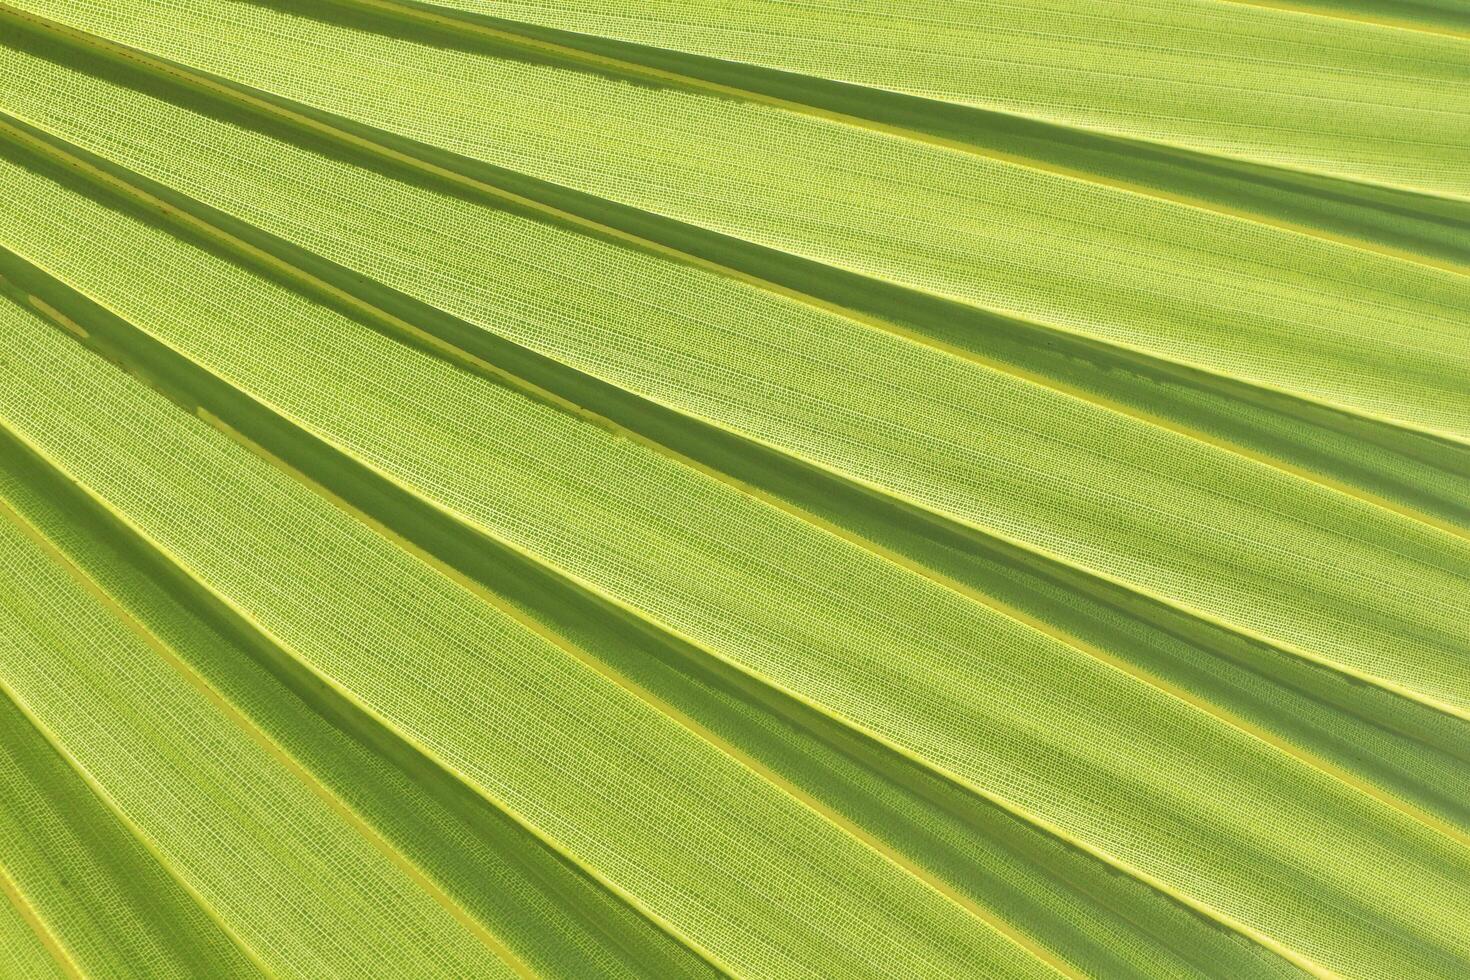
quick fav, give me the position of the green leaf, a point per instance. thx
(677, 489)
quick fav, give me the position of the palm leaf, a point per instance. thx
(681, 488)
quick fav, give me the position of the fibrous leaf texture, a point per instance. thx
(676, 488)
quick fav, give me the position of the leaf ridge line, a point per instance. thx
(1391, 23)
(52, 943)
